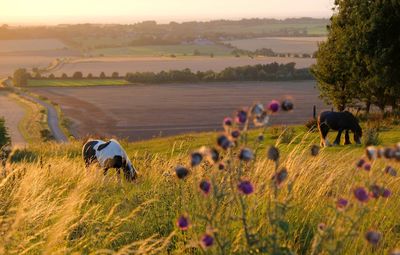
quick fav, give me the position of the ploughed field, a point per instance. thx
(157, 64)
(140, 112)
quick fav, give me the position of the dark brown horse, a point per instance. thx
(339, 121)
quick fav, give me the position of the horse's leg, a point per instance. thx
(339, 135)
(324, 130)
(347, 138)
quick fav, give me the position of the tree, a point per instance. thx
(20, 77)
(77, 75)
(64, 76)
(115, 75)
(103, 75)
(52, 76)
(90, 76)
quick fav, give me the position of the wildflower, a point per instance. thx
(241, 116)
(280, 177)
(386, 193)
(371, 153)
(367, 167)
(181, 172)
(381, 152)
(397, 154)
(224, 142)
(205, 186)
(260, 137)
(245, 187)
(221, 166)
(388, 153)
(261, 120)
(246, 155)
(235, 134)
(390, 171)
(375, 191)
(183, 223)
(321, 227)
(228, 122)
(287, 105)
(257, 109)
(373, 237)
(360, 163)
(341, 204)
(212, 155)
(315, 150)
(196, 159)
(361, 194)
(273, 153)
(273, 106)
(207, 240)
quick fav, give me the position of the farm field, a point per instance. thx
(280, 44)
(144, 111)
(30, 45)
(75, 82)
(164, 50)
(157, 64)
(8, 64)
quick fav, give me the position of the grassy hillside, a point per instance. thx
(50, 204)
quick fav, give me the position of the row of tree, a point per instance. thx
(360, 61)
(268, 72)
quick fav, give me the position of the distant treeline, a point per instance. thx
(267, 72)
(269, 53)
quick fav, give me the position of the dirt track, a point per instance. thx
(143, 111)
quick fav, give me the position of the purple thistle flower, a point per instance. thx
(367, 167)
(375, 191)
(241, 117)
(386, 193)
(183, 223)
(196, 159)
(260, 137)
(388, 153)
(205, 186)
(315, 150)
(228, 122)
(245, 187)
(261, 120)
(361, 194)
(181, 172)
(207, 240)
(341, 204)
(373, 237)
(214, 155)
(280, 177)
(273, 153)
(246, 155)
(235, 134)
(390, 171)
(397, 154)
(273, 106)
(221, 166)
(287, 105)
(224, 142)
(360, 163)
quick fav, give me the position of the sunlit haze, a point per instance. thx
(130, 11)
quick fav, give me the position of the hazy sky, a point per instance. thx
(130, 11)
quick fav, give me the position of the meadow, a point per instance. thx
(299, 45)
(76, 82)
(50, 204)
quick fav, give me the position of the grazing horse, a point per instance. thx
(338, 121)
(108, 155)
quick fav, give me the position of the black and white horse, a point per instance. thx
(339, 121)
(108, 155)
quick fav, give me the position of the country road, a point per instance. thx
(52, 118)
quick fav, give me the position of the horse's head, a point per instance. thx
(130, 171)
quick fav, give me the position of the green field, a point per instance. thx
(165, 50)
(55, 205)
(75, 82)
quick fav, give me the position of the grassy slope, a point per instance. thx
(75, 82)
(55, 206)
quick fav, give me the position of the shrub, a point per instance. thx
(312, 125)
(90, 76)
(371, 136)
(284, 133)
(64, 76)
(77, 75)
(102, 75)
(115, 75)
